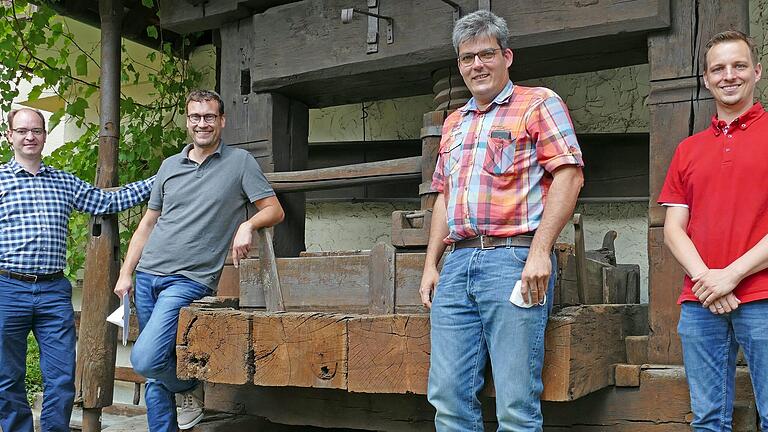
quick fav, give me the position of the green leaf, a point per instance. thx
(148, 3)
(35, 92)
(152, 32)
(81, 65)
(55, 119)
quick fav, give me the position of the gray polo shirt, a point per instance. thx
(200, 207)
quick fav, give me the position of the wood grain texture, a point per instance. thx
(300, 349)
(581, 346)
(214, 345)
(389, 354)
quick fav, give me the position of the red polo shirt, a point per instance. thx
(721, 174)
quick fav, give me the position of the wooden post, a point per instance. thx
(274, 128)
(97, 338)
(679, 106)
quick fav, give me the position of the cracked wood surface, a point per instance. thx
(300, 349)
(385, 353)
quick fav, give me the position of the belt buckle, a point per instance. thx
(482, 244)
(32, 278)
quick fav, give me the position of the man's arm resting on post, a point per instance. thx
(561, 200)
(438, 230)
(679, 243)
(125, 280)
(270, 213)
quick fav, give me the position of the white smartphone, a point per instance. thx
(516, 298)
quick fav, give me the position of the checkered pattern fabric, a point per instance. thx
(495, 165)
(35, 210)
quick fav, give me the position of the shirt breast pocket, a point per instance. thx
(451, 156)
(500, 153)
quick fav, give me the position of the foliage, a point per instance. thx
(37, 46)
(34, 378)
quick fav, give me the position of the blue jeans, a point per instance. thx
(45, 308)
(158, 302)
(710, 344)
(472, 318)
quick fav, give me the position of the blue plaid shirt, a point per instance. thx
(35, 210)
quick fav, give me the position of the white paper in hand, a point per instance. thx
(121, 317)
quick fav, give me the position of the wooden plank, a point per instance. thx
(214, 345)
(229, 283)
(381, 279)
(323, 283)
(389, 354)
(582, 343)
(269, 278)
(127, 374)
(300, 349)
(661, 399)
(348, 175)
(411, 228)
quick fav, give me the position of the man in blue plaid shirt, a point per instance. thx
(36, 202)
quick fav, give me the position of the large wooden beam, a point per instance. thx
(659, 404)
(347, 175)
(385, 353)
(302, 49)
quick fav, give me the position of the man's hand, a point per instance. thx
(713, 284)
(241, 243)
(535, 277)
(428, 285)
(124, 285)
(725, 304)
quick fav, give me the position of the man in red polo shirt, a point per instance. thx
(716, 194)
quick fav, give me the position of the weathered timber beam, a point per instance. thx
(348, 175)
(659, 404)
(384, 353)
(324, 62)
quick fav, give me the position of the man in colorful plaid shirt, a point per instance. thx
(36, 202)
(507, 177)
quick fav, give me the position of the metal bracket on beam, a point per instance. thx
(373, 24)
(456, 9)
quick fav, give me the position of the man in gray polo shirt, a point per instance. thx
(199, 200)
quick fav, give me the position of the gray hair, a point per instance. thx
(479, 24)
(205, 96)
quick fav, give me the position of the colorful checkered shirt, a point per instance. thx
(35, 210)
(495, 166)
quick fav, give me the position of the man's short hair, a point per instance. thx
(480, 24)
(13, 113)
(730, 36)
(205, 96)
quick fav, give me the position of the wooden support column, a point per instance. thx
(271, 126)
(679, 106)
(98, 339)
(411, 228)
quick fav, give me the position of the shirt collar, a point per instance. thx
(16, 167)
(741, 122)
(500, 99)
(188, 147)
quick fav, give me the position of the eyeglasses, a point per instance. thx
(24, 132)
(485, 56)
(195, 118)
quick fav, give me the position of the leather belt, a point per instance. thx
(491, 242)
(32, 278)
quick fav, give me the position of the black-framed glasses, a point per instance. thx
(486, 55)
(195, 118)
(24, 132)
